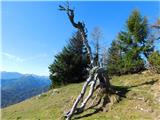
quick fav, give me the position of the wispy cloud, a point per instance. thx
(19, 59)
(12, 57)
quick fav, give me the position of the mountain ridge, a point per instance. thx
(139, 103)
(22, 87)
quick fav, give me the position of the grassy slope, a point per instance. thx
(139, 104)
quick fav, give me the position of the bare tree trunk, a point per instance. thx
(95, 73)
(73, 109)
(92, 86)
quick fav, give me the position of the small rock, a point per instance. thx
(53, 94)
(148, 110)
(144, 72)
(141, 98)
(141, 109)
(55, 91)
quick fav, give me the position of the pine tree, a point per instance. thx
(138, 34)
(114, 59)
(132, 43)
(70, 65)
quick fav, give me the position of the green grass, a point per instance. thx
(139, 103)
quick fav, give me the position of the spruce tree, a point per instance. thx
(133, 42)
(114, 59)
(69, 65)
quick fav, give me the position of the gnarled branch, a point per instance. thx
(80, 26)
(96, 72)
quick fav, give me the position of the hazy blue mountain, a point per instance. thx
(20, 88)
(10, 75)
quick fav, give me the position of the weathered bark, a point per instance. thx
(96, 72)
(74, 107)
(92, 86)
(81, 27)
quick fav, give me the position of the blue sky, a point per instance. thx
(33, 32)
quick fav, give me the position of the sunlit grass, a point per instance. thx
(139, 103)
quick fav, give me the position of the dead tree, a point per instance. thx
(96, 73)
(96, 36)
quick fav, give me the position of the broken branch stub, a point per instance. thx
(81, 27)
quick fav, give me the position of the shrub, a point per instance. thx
(154, 61)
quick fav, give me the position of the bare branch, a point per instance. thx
(96, 72)
(80, 26)
(61, 8)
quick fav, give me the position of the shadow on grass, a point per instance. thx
(151, 82)
(96, 110)
(121, 91)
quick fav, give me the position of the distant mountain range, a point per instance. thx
(17, 87)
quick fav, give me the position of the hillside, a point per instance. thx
(141, 102)
(17, 87)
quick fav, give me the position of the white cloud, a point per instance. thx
(36, 64)
(19, 59)
(12, 57)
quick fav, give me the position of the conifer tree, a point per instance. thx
(132, 43)
(69, 65)
(114, 59)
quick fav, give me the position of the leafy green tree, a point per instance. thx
(139, 37)
(132, 43)
(69, 65)
(114, 59)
